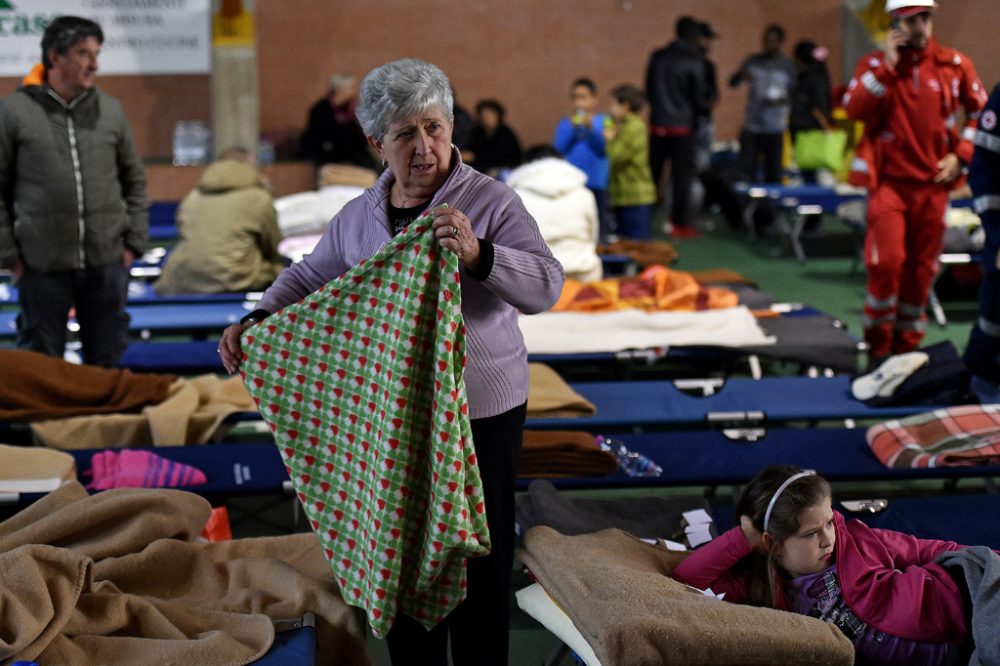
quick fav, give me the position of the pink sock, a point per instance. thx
(142, 469)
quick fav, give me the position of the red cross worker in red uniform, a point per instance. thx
(920, 102)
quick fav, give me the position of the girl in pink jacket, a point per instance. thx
(793, 552)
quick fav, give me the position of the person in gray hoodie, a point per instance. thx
(73, 208)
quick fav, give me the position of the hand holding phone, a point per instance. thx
(895, 39)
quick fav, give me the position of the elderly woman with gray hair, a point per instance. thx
(405, 109)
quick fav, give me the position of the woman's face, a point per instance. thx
(810, 550)
(489, 118)
(418, 151)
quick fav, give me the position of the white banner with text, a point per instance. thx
(140, 36)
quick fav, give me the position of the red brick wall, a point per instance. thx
(523, 52)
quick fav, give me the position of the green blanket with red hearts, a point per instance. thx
(362, 385)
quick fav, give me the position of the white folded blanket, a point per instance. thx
(580, 333)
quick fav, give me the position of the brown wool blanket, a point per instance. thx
(31, 469)
(36, 387)
(549, 395)
(618, 593)
(191, 413)
(562, 453)
(645, 253)
(119, 578)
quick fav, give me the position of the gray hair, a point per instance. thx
(340, 80)
(400, 89)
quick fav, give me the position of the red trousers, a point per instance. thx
(902, 248)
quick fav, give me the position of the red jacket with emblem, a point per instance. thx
(911, 113)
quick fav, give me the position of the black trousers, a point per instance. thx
(753, 146)
(480, 626)
(681, 151)
(98, 294)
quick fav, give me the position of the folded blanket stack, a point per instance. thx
(605, 332)
(952, 437)
(34, 469)
(562, 453)
(549, 396)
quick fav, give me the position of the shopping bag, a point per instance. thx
(819, 149)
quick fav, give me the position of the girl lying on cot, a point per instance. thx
(793, 552)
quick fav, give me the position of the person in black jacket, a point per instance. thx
(678, 90)
(494, 145)
(705, 130)
(811, 96)
(333, 135)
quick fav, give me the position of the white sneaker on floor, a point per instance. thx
(884, 381)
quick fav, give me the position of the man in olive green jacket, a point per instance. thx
(229, 232)
(73, 209)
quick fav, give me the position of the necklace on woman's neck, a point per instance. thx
(400, 200)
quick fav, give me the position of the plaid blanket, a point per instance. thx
(952, 437)
(362, 384)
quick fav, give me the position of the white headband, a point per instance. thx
(777, 493)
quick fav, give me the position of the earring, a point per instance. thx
(385, 163)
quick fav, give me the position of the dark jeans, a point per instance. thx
(753, 147)
(681, 151)
(480, 626)
(604, 221)
(99, 297)
(982, 355)
(633, 221)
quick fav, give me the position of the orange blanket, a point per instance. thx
(656, 288)
(36, 387)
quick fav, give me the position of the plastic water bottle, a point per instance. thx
(632, 463)
(191, 143)
(201, 142)
(184, 143)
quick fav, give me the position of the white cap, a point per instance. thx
(909, 7)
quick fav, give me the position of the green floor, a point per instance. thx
(825, 281)
(828, 280)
